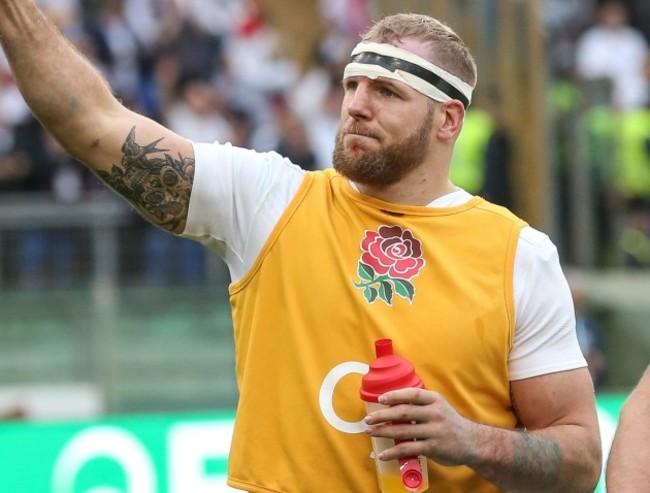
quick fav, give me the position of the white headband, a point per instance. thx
(375, 60)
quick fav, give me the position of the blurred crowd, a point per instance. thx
(600, 101)
(215, 70)
(211, 70)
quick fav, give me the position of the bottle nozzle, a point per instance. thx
(383, 347)
(411, 472)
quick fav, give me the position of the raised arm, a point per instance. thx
(149, 165)
(628, 467)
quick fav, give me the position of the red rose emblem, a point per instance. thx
(393, 252)
(390, 258)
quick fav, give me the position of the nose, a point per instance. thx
(358, 102)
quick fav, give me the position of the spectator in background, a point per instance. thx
(214, 17)
(292, 142)
(197, 112)
(198, 53)
(344, 20)
(124, 71)
(257, 71)
(187, 53)
(21, 148)
(628, 466)
(240, 123)
(615, 51)
(153, 22)
(316, 100)
(347, 18)
(323, 124)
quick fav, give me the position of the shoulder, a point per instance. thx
(224, 168)
(535, 247)
(228, 154)
(502, 212)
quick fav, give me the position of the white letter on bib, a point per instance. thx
(326, 396)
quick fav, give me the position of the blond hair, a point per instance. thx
(447, 48)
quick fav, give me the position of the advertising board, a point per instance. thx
(144, 454)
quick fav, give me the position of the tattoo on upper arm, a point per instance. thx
(159, 186)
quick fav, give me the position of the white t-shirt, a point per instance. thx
(239, 195)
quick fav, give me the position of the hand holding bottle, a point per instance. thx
(422, 422)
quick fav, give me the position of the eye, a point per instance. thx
(350, 85)
(387, 92)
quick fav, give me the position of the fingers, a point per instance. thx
(403, 449)
(399, 413)
(409, 435)
(406, 438)
(399, 432)
(405, 405)
(416, 396)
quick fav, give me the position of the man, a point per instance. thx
(628, 466)
(325, 263)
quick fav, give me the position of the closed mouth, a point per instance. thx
(362, 134)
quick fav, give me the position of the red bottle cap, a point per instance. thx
(387, 372)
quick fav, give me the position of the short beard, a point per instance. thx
(386, 166)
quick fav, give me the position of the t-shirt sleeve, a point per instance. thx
(237, 198)
(545, 329)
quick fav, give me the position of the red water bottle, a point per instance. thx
(391, 372)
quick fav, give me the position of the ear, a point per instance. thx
(454, 115)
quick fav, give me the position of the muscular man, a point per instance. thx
(324, 263)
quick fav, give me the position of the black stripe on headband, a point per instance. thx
(393, 64)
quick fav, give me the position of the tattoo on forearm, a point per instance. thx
(158, 186)
(541, 456)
